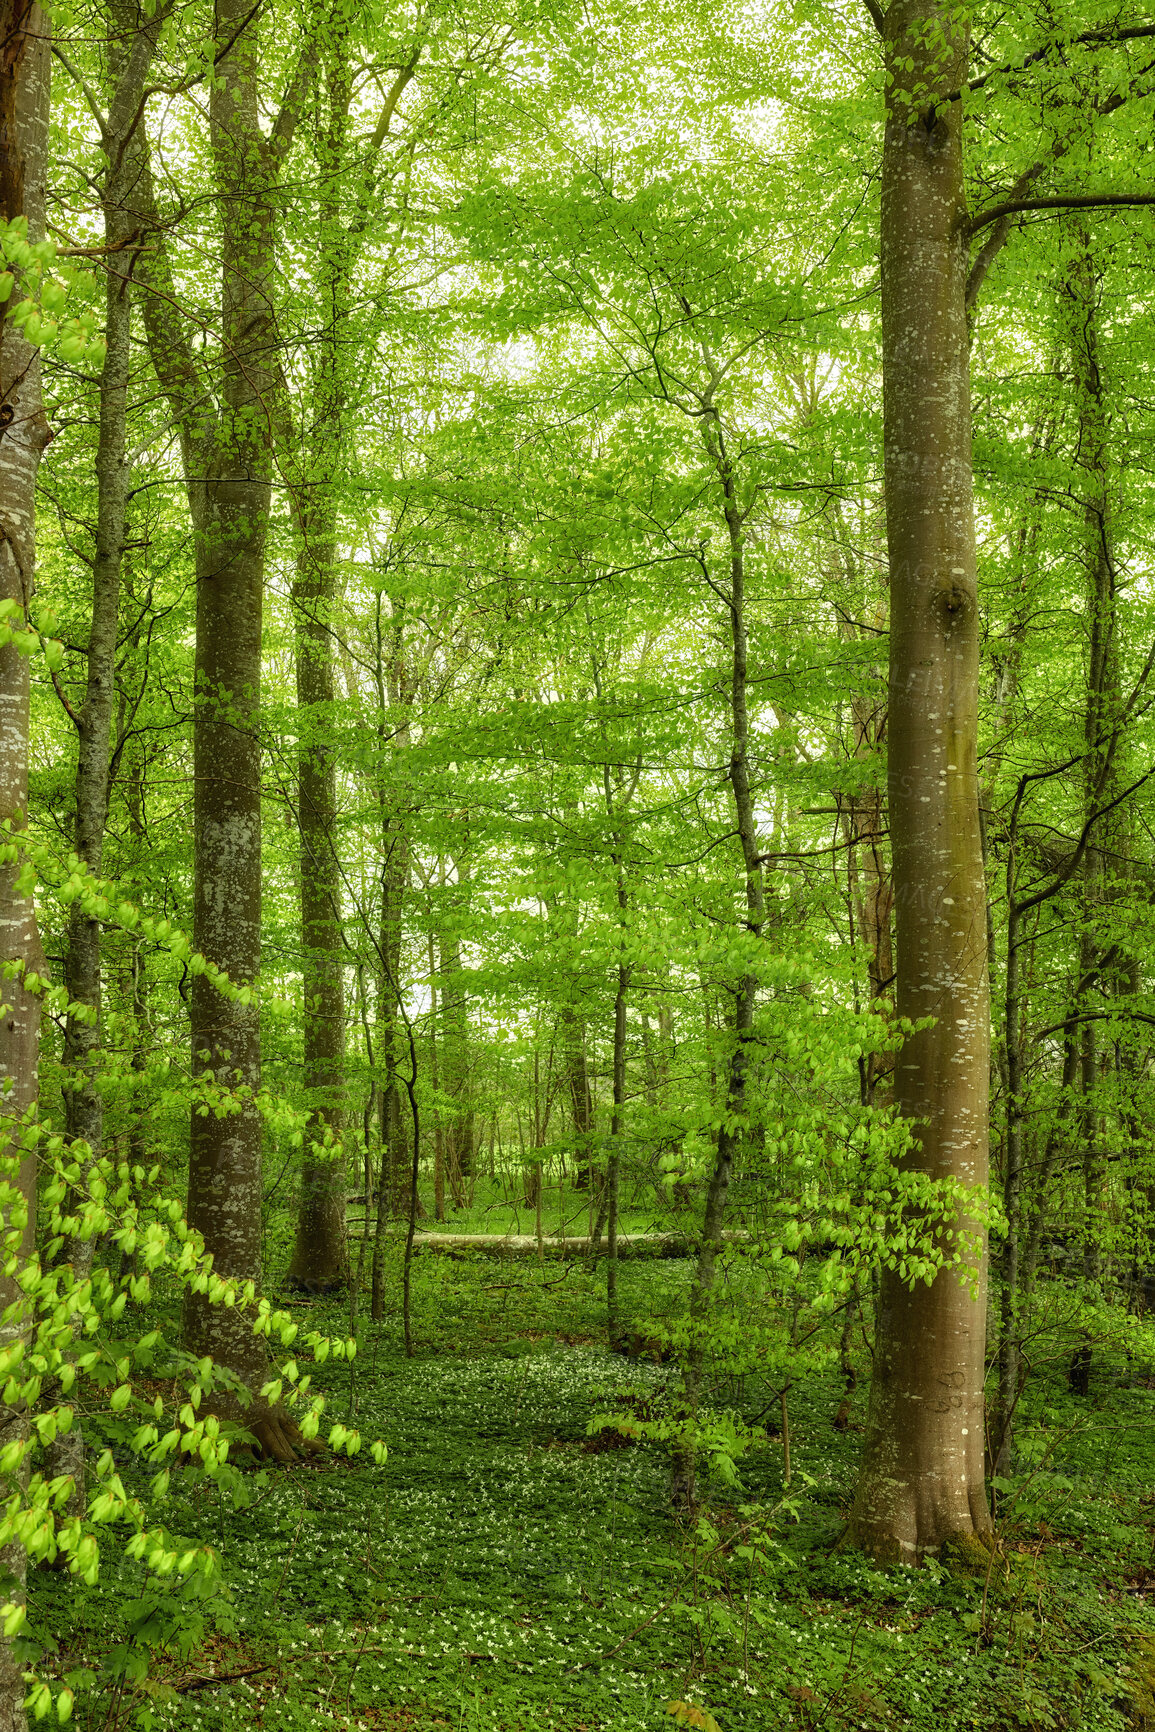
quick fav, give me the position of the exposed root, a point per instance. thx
(278, 1439)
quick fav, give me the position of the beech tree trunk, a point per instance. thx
(82, 1101)
(227, 462)
(320, 1262)
(131, 54)
(224, 1191)
(921, 1478)
(24, 433)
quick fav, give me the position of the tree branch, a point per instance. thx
(172, 355)
(84, 88)
(877, 16)
(1090, 38)
(293, 102)
(1068, 201)
(998, 238)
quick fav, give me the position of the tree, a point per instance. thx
(24, 433)
(921, 1483)
(227, 465)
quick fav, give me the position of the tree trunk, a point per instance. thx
(921, 1477)
(228, 466)
(24, 90)
(1102, 724)
(438, 1134)
(131, 55)
(617, 1120)
(455, 1078)
(733, 1127)
(320, 1262)
(580, 1093)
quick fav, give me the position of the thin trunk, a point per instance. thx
(395, 693)
(1103, 711)
(613, 1169)
(131, 55)
(617, 1120)
(730, 1135)
(438, 1135)
(24, 89)
(580, 1093)
(921, 1477)
(320, 1261)
(863, 809)
(459, 1135)
(1010, 1295)
(320, 1257)
(393, 1180)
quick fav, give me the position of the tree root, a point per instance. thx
(276, 1438)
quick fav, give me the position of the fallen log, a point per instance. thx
(526, 1244)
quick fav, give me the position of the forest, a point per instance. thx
(577, 865)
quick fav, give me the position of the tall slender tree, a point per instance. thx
(227, 459)
(24, 433)
(921, 1481)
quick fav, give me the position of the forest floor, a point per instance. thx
(507, 1571)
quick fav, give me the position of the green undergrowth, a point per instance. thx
(496, 1204)
(505, 1570)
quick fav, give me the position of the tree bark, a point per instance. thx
(227, 462)
(920, 1482)
(24, 433)
(131, 56)
(580, 1093)
(455, 1060)
(617, 1119)
(320, 1261)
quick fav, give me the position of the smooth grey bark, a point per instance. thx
(131, 53)
(870, 896)
(320, 1261)
(24, 433)
(921, 1480)
(227, 460)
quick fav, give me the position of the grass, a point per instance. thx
(504, 1572)
(496, 1204)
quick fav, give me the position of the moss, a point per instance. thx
(880, 1547)
(966, 1554)
(1141, 1684)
